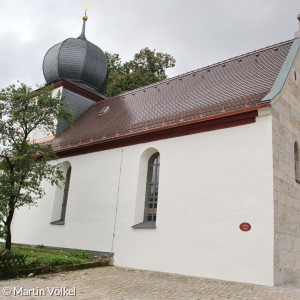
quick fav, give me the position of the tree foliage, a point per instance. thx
(147, 66)
(24, 164)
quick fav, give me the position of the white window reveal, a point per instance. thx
(61, 196)
(147, 191)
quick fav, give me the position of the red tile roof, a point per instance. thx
(228, 86)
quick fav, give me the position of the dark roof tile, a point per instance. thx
(244, 80)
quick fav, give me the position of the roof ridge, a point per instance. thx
(197, 70)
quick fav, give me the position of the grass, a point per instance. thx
(47, 257)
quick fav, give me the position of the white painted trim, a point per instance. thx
(264, 112)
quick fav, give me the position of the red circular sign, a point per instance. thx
(245, 226)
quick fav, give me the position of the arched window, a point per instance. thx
(152, 188)
(61, 196)
(296, 160)
(65, 197)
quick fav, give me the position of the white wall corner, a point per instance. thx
(56, 91)
(266, 111)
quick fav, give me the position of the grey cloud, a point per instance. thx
(196, 32)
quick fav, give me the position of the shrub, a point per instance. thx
(56, 260)
(80, 254)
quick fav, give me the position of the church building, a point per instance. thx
(196, 174)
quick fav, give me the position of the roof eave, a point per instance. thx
(219, 121)
(75, 88)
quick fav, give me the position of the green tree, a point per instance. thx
(147, 66)
(23, 163)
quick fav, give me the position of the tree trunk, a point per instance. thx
(7, 229)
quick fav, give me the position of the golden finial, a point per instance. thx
(86, 6)
(82, 35)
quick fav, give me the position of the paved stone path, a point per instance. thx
(114, 283)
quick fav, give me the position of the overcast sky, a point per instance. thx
(196, 32)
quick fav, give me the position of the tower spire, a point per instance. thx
(84, 18)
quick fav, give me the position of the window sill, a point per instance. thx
(59, 222)
(145, 225)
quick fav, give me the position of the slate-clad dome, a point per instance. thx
(77, 60)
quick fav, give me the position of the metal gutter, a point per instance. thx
(200, 122)
(283, 74)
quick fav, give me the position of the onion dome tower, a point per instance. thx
(77, 60)
(79, 68)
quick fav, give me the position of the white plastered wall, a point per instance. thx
(90, 208)
(209, 183)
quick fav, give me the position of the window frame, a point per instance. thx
(64, 201)
(152, 164)
(66, 193)
(152, 183)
